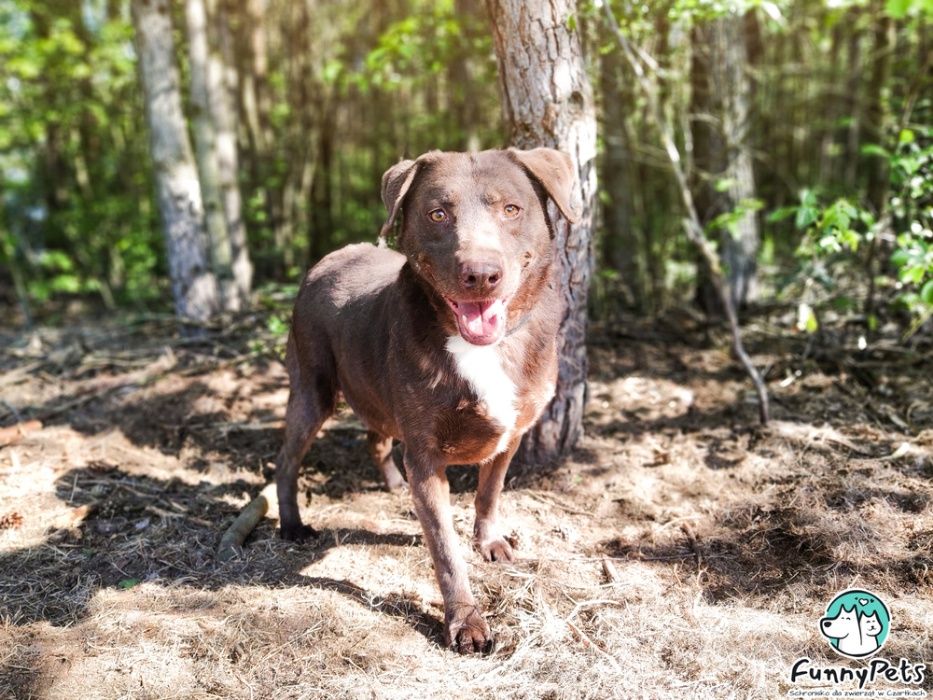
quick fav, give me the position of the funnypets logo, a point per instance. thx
(857, 623)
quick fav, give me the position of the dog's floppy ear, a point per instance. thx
(554, 170)
(395, 184)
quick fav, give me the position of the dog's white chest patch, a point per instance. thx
(481, 367)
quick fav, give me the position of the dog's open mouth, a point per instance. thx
(480, 322)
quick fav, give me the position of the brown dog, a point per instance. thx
(448, 345)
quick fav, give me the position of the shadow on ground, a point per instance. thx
(136, 528)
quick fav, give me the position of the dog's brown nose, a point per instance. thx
(480, 276)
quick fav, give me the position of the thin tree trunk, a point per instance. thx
(194, 287)
(622, 240)
(875, 125)
(224, 86)
(854, 110)
(204, 87)
(721, 109)
(829, 155)
(462, 94)
(876, 109)
(547, 101)
(255, 88)
(322, 191)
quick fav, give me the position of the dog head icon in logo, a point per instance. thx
(856, 623)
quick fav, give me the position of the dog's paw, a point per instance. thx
(466, 631)
(296, 532)
(492, 544)
(496, 550)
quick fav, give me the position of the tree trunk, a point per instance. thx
(854, 98)
(255, 88)
(720, 110)
(322, 191)
(204, 82)
(876, 111)
(622, 242)
(461, 84)
(194, 287)
(224, 117)
(547, 101)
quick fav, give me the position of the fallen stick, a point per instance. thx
(235, 535)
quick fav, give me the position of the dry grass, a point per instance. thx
(682, 552)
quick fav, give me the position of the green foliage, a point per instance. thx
(729, 221)
(899, 9)
(911, 203)
(75, 202)
(833, 252)
(387, 80)
(830, 230)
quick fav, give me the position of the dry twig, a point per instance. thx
(692, 225)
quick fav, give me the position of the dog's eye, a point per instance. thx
(511, 210)
(438, 216)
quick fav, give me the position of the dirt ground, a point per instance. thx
(682, 552)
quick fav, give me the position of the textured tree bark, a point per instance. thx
(194, 287)
(547, 101)
(204, 81)
(722, 155)
(224, 86)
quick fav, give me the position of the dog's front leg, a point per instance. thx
(487, 537)
(465, 630)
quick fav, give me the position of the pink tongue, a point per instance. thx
(481, 318)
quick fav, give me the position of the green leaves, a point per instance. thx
(731, 221)
(926, 294)
(830, 229)
(75, 192)
(913, 257)
(899, 9)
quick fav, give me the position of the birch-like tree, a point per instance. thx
(205, 85)
(194, 286)
(224, 115)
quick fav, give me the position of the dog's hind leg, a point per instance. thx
(311, 401)
(380, 449)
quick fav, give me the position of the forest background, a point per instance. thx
(803, 129)
(759, 169)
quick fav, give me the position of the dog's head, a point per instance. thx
(841, 626)
(475, 228)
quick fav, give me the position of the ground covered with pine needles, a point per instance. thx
(683, 551)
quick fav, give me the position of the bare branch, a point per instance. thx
(692, 226)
